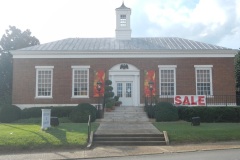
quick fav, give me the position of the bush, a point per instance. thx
(10, 113)
(36, 112)
(210, 114)
(81, 113)
(165, 111)
(150, 111)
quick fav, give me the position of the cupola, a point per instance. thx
(123, 29)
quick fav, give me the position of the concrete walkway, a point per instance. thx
(116, 151)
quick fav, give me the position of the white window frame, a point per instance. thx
(123, 21)
(74, 68)
(44, 68)
(167, 67)
(204, 67)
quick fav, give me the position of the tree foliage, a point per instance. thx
(13, 39)
(237, 72)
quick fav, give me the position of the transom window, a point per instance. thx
(44, 79)
(203, 80)
(123, 20)
(167, 77)
(80, 84)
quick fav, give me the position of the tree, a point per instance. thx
(237, 72)
(13, 39)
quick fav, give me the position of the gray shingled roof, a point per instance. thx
(112, 44)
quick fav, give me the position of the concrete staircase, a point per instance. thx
(129, 139)
(127, 126)
(126, 114)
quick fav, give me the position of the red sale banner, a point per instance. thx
(190, 100)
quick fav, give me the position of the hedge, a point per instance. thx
(210, 114)
(9, 113)
(80, 114)
(36, 112)
(165, 111)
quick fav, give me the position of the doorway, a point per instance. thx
(124, 92)
(126, 83)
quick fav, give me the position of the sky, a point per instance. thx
(211, 21)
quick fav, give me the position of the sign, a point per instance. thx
(190, 100)
(46, 117)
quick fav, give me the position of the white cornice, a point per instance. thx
(125, 54)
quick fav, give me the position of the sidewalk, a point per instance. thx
(114, 151)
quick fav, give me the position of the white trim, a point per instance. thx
(22, 106)
(204, 67)
(194, 53)
(43, 68)
(168, 67)
(80, 68)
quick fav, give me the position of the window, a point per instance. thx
(123, 21)
(167, 78)
(203, 79)
(44, 79)
(80, 81)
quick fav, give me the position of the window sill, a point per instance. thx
(43, 97)
(75, 97)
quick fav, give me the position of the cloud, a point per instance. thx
(211, 21)
(214, 21)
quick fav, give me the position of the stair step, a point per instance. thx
(129, 143)
(128, 139)
(128, 135)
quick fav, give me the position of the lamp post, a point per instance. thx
(99, 88)
(150, 85)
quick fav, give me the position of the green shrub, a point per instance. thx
(150, 111)
(36, 112)
(210, 114)
(116, 98)
(108, 82)
(10, 113)
(81, 113)
(165, 111)
(61, 111)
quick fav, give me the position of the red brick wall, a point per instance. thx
(24, 76)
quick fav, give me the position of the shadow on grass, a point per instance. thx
(58, 133)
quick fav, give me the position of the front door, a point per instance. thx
(124, 91)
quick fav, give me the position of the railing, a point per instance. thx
(215, 100)
(89, 128)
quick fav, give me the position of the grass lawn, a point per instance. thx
(30, 136)
(183, 132)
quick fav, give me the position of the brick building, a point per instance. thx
(65, 72)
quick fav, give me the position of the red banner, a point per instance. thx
(99, 76)
(149, 76)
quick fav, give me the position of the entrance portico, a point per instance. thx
(126, 83)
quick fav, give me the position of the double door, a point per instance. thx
(125, 92)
